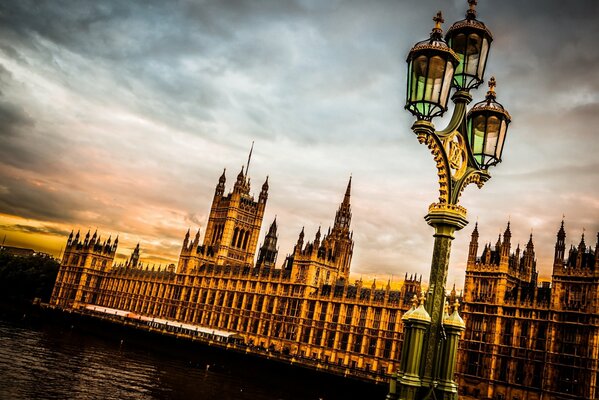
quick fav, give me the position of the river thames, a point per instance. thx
(53, 361)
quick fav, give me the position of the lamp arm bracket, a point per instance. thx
(472, 175)
(437, 148)
(461, 99)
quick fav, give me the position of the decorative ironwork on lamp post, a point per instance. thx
(463, 151)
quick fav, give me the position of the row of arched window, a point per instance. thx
(240, 238)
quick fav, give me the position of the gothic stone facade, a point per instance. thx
(529, 341)
(306, 308)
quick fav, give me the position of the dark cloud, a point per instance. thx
(46, 230)
(12, 117)
(123, 114)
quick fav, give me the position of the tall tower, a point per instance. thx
(82, 269)
(235, 220)
(341, 235)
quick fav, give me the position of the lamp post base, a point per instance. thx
(446, 219)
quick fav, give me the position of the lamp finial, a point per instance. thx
(456, 305)
(437, 31)
(492, 84)
(471, 13)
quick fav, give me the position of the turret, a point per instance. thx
(186, 240)
(560, 247)
(134, 259)
(300, 241)
(240, 183)
(267, 255)
(317, 239)
(581, 250)
(529, 259)
(473, 248)
(220, 187)
(196, 240)
(264, 192)
(505, 247)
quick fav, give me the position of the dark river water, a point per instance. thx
(52, 361)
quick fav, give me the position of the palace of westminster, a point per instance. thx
(523, 340)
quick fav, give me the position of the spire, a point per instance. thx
(475, 231)
(343, 216)
(473, 247)
(264, 192)
(186, 240)
(267, 255)
(247, 168)
(347, 192)
(273, 228)
(223, 178)
(530, 245)
(582, 245)
(196, 240)
(561, 233)
(560, 246)
(507, 235)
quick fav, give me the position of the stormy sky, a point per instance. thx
(121, 116)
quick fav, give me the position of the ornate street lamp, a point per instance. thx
(431, 64)
(463, 152)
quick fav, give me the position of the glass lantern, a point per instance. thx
(471, 40)
(487, 124)
(431, 64)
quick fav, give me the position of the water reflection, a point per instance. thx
(55, 362)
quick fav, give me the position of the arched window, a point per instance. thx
(245, 239)
(235, 234)
(240, 238)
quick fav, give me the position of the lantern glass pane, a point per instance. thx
(436, 73)
(477, 135)
(418, 81)
(501, 138)
(484, 51)
(472, 54)
(493, 128)
(458, 44)
(446, 83)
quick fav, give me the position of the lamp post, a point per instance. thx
(463, 152)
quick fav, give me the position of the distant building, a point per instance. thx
(17, 251)
(525, 341)
(304, 309)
